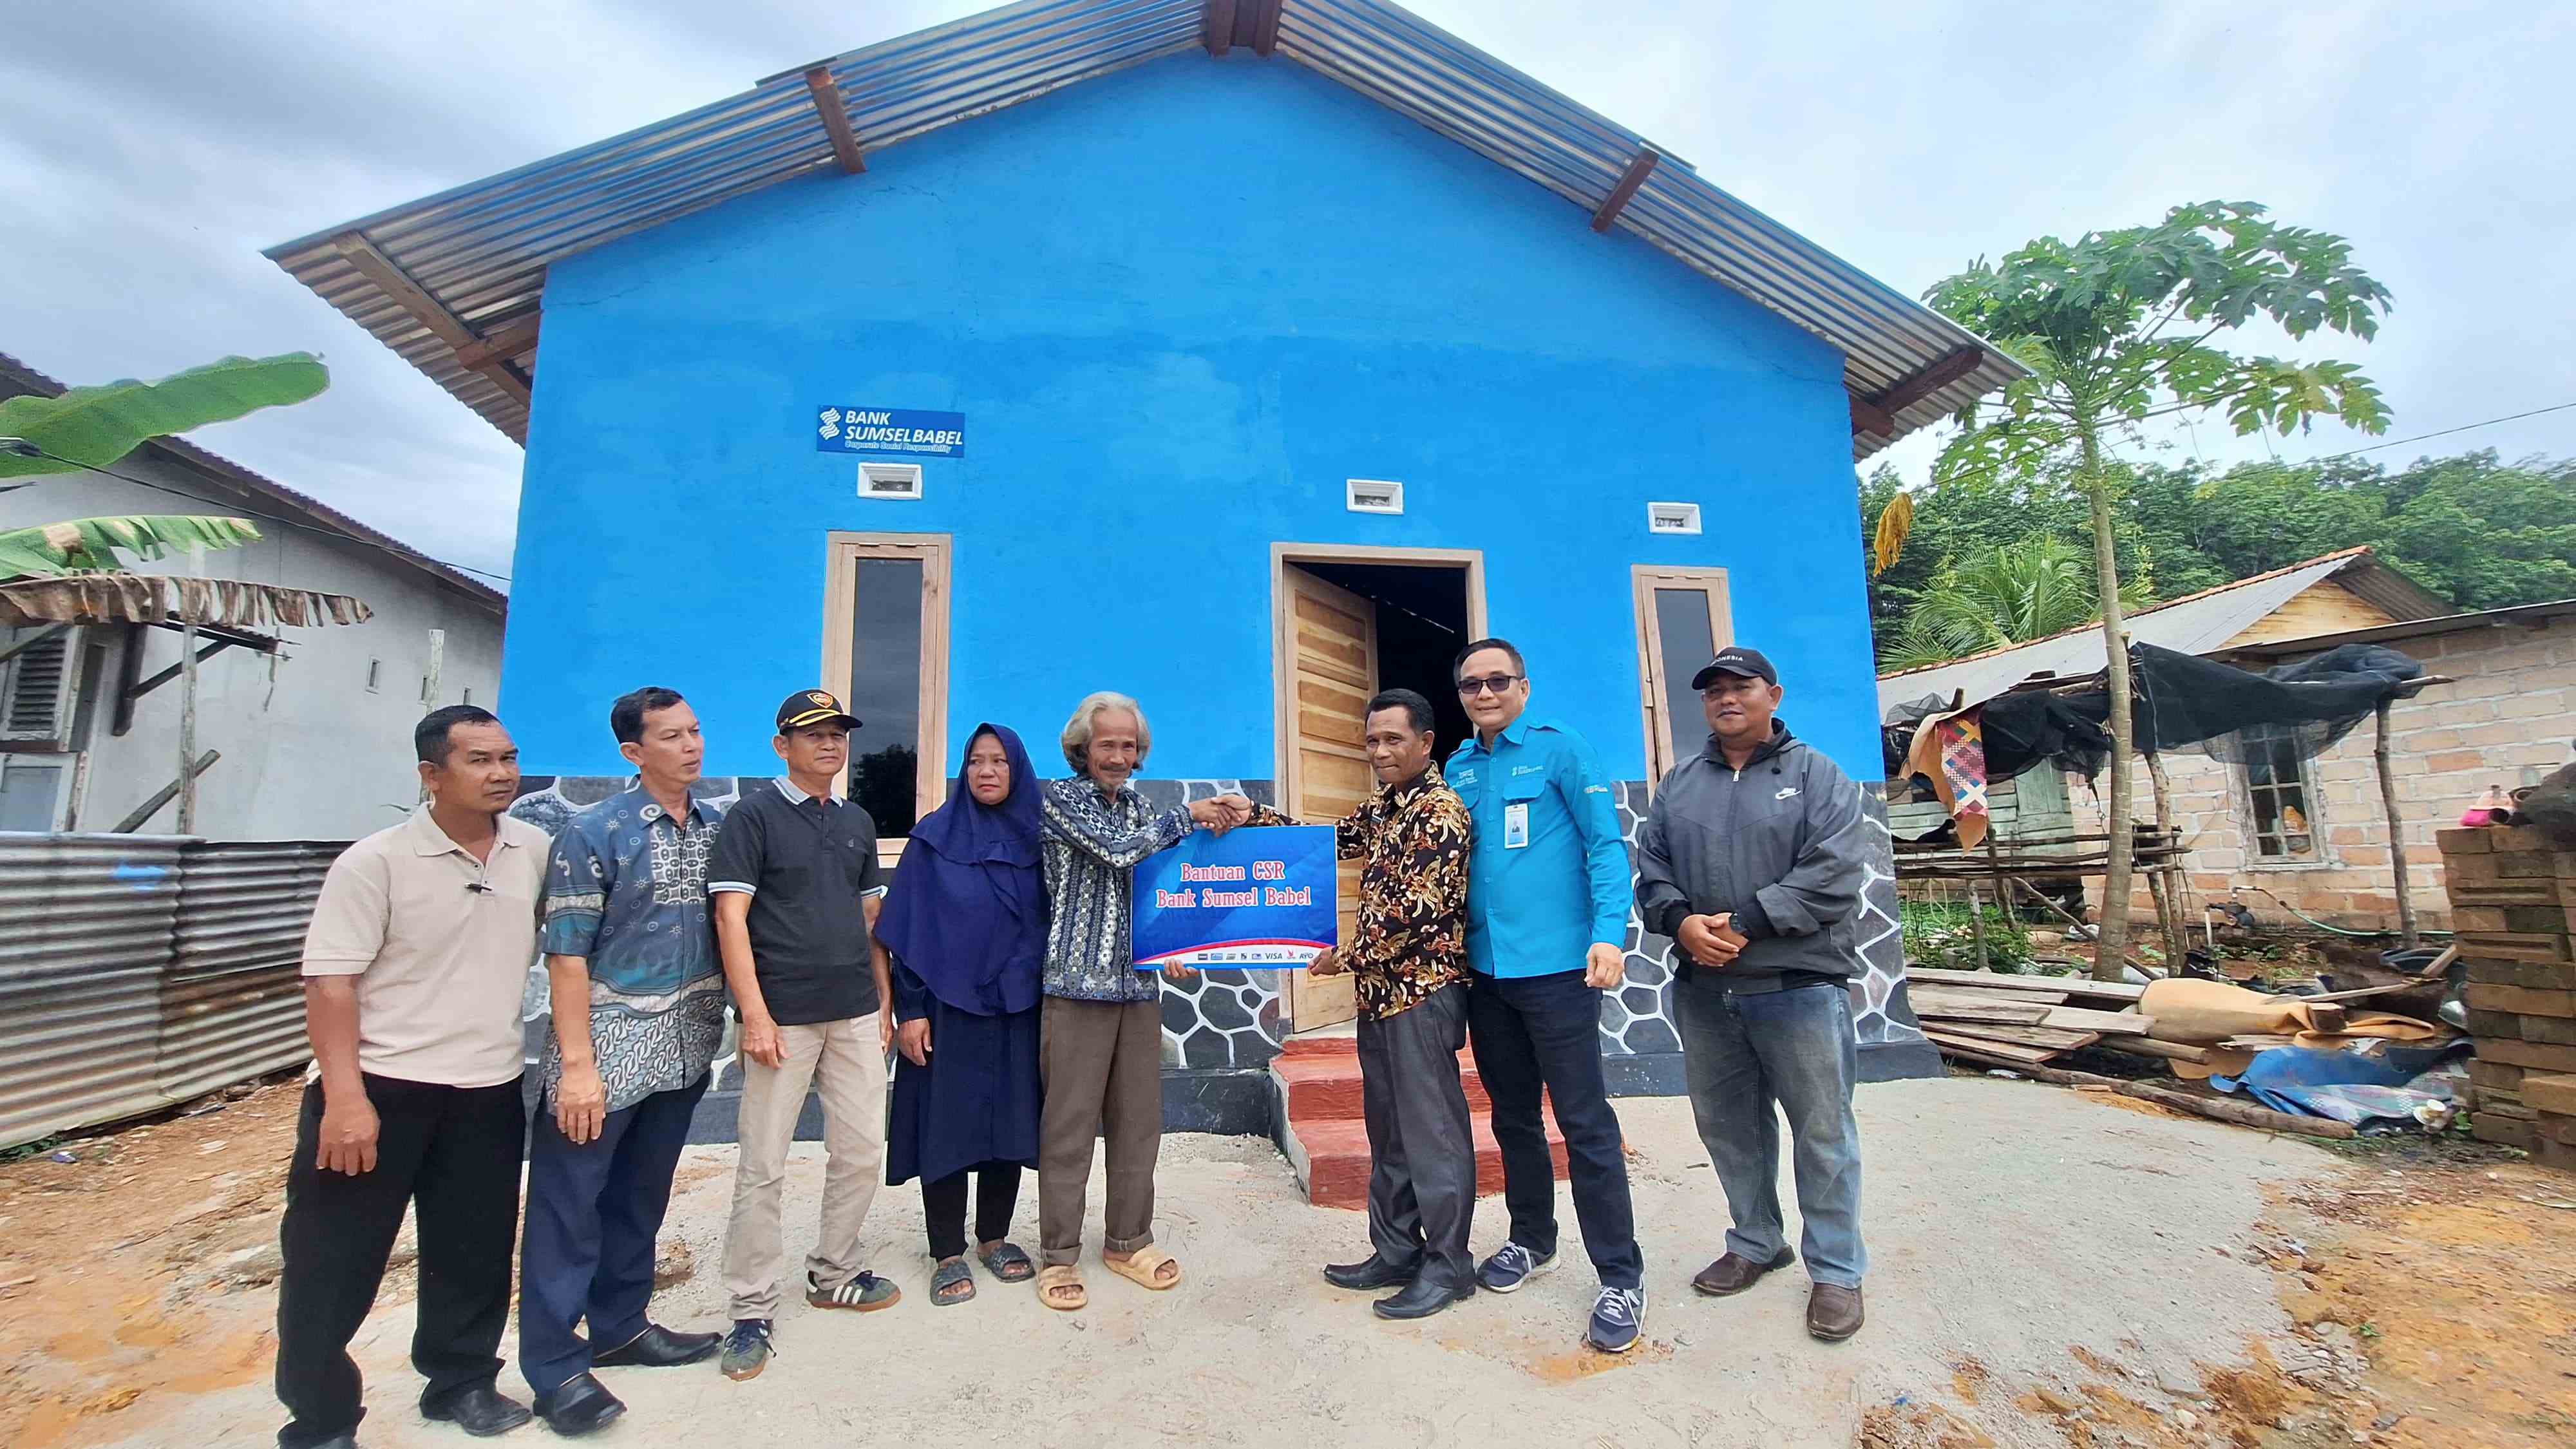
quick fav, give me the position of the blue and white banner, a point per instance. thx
(1258, 898)
(894, 432)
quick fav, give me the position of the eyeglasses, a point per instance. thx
(1490, 684)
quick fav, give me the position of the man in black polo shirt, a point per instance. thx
(795, 885)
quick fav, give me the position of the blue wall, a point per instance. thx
(1178, 306)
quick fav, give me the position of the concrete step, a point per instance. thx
(1316, 1083)
(1332, 1159)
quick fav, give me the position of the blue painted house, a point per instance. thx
(1243, 357)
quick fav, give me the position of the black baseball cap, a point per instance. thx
(1730, 660)
(812, 707)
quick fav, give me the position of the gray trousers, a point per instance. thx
(1752, 1058)
(1422, 1160)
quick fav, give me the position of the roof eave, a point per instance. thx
(477, 253)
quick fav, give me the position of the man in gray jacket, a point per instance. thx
(1750, 862)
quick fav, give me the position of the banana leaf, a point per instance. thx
(95, 426)
(89, 545)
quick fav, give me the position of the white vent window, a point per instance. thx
(890, 480)
(1374, 495)
(1672, 518)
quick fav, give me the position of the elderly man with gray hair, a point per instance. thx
(1100, 1030)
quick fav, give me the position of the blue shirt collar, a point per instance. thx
(1514, 733)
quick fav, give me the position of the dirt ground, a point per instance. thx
(2049, 1267)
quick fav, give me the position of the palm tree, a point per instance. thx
(2031, 589)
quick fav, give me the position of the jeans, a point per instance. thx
(594, 1215)
(451, 1154)
(1751, 1057)
(1534, 1032)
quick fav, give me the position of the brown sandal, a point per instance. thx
(1056, 1279)
(1140, 1267)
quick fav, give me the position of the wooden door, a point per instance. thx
(1331, 645)
(1683, 619)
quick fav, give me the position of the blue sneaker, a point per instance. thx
(1511, 1266)
(1617, 1317)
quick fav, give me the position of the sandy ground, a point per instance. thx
(2026, 1241)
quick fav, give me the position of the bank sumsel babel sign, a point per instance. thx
(889, 432)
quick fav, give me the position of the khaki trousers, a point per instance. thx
(845, 1066)
(1101, 1066)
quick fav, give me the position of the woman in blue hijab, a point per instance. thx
(965, 922)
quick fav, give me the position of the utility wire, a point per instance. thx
(296, 523)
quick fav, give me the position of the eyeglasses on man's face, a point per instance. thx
(1489, 684)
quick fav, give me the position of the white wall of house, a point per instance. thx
(316, 739)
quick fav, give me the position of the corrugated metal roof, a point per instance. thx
(2195, 624)
(480, 251)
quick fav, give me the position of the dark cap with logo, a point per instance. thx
(812, 707)
(1746, 662)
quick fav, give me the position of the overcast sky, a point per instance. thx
(148, 150)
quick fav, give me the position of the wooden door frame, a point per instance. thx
(1643, 580)
(1283, 655)
(933, 551)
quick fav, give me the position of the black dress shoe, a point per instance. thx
(659, 1347)
(1420, 1300)
(582, 1406)
(1376, 1272)
(479, 1409)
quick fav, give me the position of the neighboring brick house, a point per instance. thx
(2507, 721)
(2286, 835)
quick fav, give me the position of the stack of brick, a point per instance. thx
(2513, 901)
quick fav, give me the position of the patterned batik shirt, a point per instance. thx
(627, 891)
(1089, 849)
(1412, 842)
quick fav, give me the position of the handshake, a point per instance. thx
(1221, 813)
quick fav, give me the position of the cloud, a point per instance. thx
(148, 151)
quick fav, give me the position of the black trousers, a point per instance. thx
(452, 1153)
(1422, 1156)
(1534, 1032)
(943, 1206)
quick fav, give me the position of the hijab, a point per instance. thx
(968, 909)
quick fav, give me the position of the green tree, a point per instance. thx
(91, 427)
(2117, 328)
(2043, 584)
(90, 545)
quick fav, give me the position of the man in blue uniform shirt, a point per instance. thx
(1547, 913)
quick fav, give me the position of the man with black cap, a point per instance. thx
(1751, 862)
(796, 888)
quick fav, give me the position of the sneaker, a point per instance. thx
(865, 1292)
(1617, 1315)
(747, 1349)
(1511, 1266)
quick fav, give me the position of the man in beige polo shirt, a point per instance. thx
(413, 967)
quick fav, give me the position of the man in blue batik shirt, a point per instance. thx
(1547, 919)
(638, 993)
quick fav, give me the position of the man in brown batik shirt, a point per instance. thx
(1408, 963)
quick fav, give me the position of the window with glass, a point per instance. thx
(1682, 621)
(886, 652)
(2280, 798)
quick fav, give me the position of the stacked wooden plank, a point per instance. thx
(2513, 900)
(2022, 1021)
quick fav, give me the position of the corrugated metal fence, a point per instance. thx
(137, 972)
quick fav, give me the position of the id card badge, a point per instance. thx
(1516, 826)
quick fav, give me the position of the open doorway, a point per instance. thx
(1351, 622)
